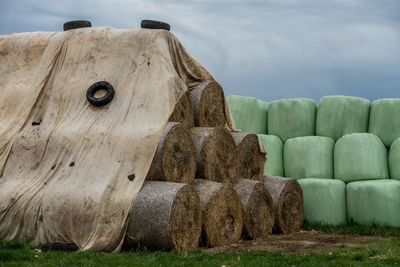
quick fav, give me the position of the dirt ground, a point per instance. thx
(303, 242)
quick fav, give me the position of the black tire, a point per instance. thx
(59, 247)
(102, 85)
(76, 24)
(152, 24)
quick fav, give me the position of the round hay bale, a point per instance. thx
(258, 208)
(274, 147)
(216, 154)
(222, 213)
(208, 102)
(165, 216)
(183, 112)
(251, 159)
(288, 203)
(360, 156)
(394, 159)
(175, 158)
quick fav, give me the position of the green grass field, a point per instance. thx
(378, 252)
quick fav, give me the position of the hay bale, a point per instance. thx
(183, 112)
(394, 159)
(258, 208)
(308, 156)
(340, 115)
(249, 113)
(216, 154)
(165, 216)
(324, 201)
(251, 159)
(274, 147)
(360, 156)
(288, 203)
(289, 118)
(384, 120)
(175, 158)
(222, 213)
(375, 202)
(208, 102)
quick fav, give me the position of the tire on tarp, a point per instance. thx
(249, 113)
(324, 201)
(308, 156)
(375, 202)
(274, 147)
(394, 159)
(339, 115)
(360, 156)
(384, 120)
(293, 117)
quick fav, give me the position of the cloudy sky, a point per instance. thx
(268, 49)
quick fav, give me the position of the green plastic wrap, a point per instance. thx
(384, 120)
(374, 202)
(248, 113)
(288, 118)
(360, 156)
(274, 164)
(308, 156)
(324, 201)
(340, 115)
(394, 160)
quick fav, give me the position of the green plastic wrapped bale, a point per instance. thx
(249, 113)
(394, 160)
(374, 202)
(308, 156)
(384, 120)
(273, 145)
(340, 115)
(288, 118)
(360, 156)
(324, 201)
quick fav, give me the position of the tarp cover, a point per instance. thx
(384, 120)
(293, 117)
(324, 201)
(340, 115)
(360, 156)
(65, 162)
(394, 160)
(273, 145)
(374, 202)
(250, 114)
(308, 156)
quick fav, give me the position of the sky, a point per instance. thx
(269, 49)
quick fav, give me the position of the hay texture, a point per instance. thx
(340, 115)
(374, 202)
(308, 156)
(208, 102)
(216, 154)
(165, 216)
(384, 120)
(222, 213)
(183, 112)
(175, 158)
(394, 160)
(250, 114)
(288, 203)
(251, 159)
(274, 147)
(259, 215)
(289, 118)
(360, 156)
(324, 201)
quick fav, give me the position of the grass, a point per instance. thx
(379, 252)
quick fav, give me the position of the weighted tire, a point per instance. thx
(152, 24)
(59, 247)
(101, 101)
(76, 24)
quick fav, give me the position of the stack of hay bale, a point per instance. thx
(206, 185)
